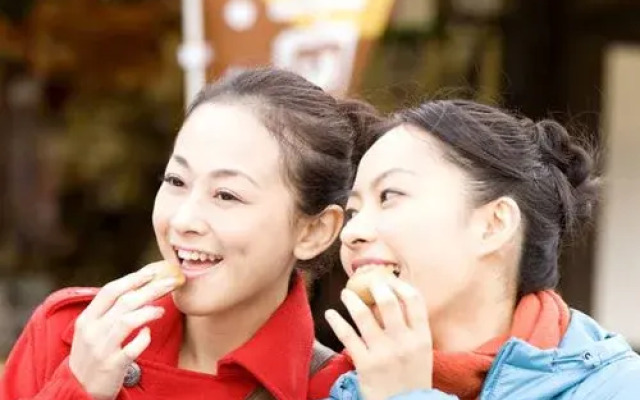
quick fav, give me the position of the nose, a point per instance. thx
(188, 219)
(358, 231)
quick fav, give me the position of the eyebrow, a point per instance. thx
(376, 181)
(218, 173)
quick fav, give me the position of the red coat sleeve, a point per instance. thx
(321, 382)
(25, 374)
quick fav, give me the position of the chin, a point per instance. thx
(199, 304)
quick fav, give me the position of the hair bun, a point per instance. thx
(559, 149)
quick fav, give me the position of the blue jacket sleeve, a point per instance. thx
(347, 388)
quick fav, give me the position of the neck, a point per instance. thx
(209, 338)
(475, 319)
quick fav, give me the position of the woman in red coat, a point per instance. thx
(250, 195)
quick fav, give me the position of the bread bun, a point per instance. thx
(364, 277)
(165, 270)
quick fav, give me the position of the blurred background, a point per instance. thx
(92, 93)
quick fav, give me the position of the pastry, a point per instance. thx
(165, 269)
(361, 280)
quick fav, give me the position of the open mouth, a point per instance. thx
(195, 260)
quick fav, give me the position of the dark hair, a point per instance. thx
(316, 132)
(538, 164)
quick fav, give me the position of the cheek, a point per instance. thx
(160, 220)
(160, 216)
(425, 240)
(345, 259)
(259, 233)
(435, 249)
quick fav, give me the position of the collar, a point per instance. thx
(585, 349)
(278, 356)
(585, 344)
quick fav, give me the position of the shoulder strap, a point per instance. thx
(320, 357)
(260, 394)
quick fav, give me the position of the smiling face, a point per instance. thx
(410, 209)
(225, 213)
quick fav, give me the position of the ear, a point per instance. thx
(497, 224)
(318, 232)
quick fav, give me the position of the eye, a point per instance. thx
(389, 194)
(173, 180)
(225, 195)
(349, 213)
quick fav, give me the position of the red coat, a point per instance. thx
(277, 357)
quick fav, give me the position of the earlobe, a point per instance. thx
(319, 232)
(501, 224)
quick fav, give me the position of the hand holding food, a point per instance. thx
(394, 353)
(99, 357)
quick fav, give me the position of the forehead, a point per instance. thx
(405, 147)
(223, 136)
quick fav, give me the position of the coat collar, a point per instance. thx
(278, 356)
(584, 350)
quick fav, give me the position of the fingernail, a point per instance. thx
(168, 283)
(146, 273)
(159, 312)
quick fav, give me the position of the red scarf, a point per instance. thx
(541, 319)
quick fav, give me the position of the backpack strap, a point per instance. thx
(260, 394)
(320, 357)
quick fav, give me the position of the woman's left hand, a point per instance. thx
(394, 355)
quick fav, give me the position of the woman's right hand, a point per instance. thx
(98, 360)
(393, 352)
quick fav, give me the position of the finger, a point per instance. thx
(388, 306)
(363, 317)
(139, 344)
(415, 307)
(108, 295)
(137, 298)
(153, 268)
(127, 323)
(346, 334)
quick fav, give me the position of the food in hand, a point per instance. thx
(168, 270)
(362, 279)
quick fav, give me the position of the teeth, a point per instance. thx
(196, 256)
(395, 268)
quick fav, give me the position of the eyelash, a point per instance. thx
(173, 180)
(349, 213)
(385, 193)
(221, 194)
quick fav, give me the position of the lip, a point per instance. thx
(188, 267)
(191, 272)
(177, 247)
(369, 261)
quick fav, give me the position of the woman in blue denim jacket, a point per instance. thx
(470, 205)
